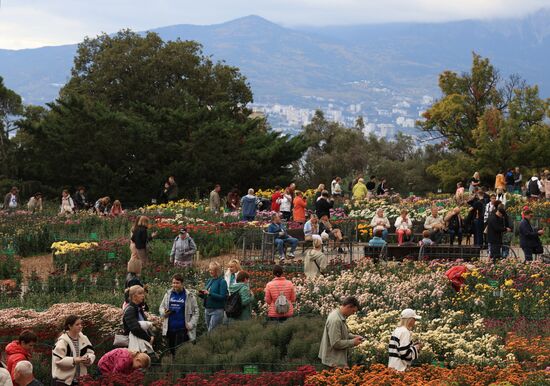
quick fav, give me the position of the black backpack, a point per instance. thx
(234, 305)
(533, 188)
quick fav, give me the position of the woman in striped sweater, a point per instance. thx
(401, 348)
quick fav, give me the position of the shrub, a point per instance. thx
(271, 346)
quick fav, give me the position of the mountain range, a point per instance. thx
(342, 64)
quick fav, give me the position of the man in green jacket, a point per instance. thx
(336, 342)
(242, 286)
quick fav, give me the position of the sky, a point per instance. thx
(36, 23)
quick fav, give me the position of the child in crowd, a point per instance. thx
(426, 239)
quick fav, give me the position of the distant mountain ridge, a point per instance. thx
(335, 63)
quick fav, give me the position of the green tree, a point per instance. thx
(138, 109)
(10, 107)
(486, 125)
(335, 150)
(465, 99)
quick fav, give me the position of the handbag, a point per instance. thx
(121, 340)
(538, 249)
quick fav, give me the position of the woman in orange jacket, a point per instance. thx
(299, 211)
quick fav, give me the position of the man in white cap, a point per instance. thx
(402, 350)
(183, 250)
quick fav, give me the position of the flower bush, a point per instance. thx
(454, 339)
(65, 247)
(385, 287)
(507, 289)
(222, 378)
(427, 375)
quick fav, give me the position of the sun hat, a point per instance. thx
(408, 313)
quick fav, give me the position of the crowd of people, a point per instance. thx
(67, 204)
(227, 297)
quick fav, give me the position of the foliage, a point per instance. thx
(488, 125)
(335, 150)
(152, 109)
(10, 267)
(10, 107)
(269, 345)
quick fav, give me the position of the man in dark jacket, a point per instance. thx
(80, 199)
(528, 236)
(172, 190)
(133, 314)
(323, 205)
(496, 226)
(476, 218)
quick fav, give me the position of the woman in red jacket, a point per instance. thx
(276, 199)
(280, 295)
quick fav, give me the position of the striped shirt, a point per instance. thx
(401, 350)
(76, 354)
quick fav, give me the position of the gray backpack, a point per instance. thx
(282, 306)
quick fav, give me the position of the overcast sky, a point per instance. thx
(35, 23)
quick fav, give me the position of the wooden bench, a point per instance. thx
(439, 251)
(393, 251)
(400, 252)
(268, 242)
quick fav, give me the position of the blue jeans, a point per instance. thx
(280, 243)
(453, 233)
(385, 234)
(248, 218)
(213, 317)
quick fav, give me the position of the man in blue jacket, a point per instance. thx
(249, 205)
(529, 236)
(282, 237)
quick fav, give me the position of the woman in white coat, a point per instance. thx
(73, 353)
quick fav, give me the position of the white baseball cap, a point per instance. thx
(407, 313)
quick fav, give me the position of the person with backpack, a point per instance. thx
(280, 294)
(337, 341)
(214, 296)
(73, 353)
(179, 311)
(534, 188)
(239, 303)
(183, 249)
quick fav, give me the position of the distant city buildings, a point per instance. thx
(383, 117)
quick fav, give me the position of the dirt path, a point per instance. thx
(222, 259)
(42, 265)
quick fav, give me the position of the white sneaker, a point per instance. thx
(291, 255)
